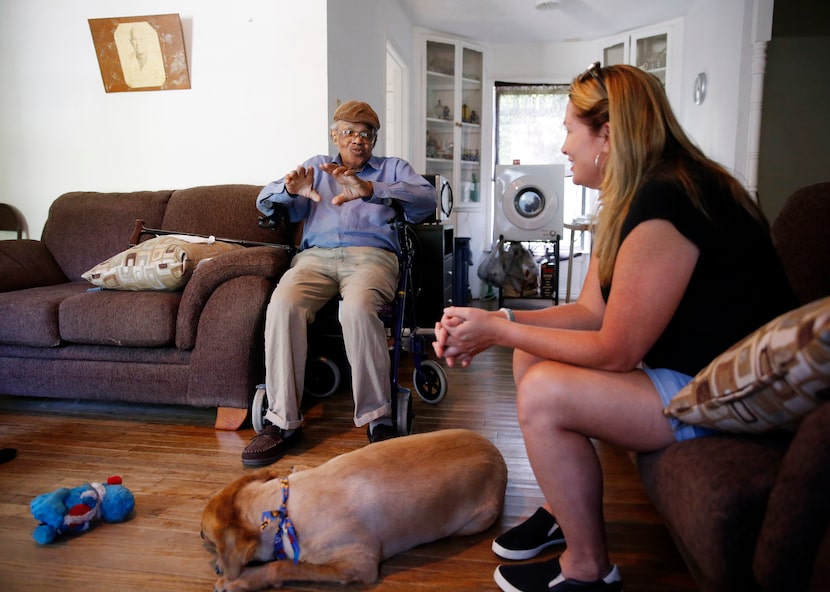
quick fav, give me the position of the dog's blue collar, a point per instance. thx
(285, 525)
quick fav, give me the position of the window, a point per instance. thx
(530, 130)
(529, 123)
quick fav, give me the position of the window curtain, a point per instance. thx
(529, 123)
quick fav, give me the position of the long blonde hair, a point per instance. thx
(645, 137)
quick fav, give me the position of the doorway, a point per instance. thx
(395, 137)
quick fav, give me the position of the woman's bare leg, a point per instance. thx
(560, 409)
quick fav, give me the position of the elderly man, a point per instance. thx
(347, 248)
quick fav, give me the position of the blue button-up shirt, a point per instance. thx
(361, 222)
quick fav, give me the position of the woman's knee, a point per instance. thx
(521, 362)
(541, 393)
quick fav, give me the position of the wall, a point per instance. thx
(715, 41)
(252, 111)
(716, 38)
(357, 34)
(795, 125)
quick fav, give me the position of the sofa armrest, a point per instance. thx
(267, 262)
(797, 519)
(27, 264)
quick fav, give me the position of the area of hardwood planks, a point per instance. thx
(173, 460)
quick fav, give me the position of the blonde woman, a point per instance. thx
(683, 267)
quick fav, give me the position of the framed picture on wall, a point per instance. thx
(138, 53)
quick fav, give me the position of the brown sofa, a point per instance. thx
(750, 512)
(199, 346)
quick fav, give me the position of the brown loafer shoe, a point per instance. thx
(268, 446)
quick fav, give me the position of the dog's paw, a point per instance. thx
(223, 585)
(241, 585)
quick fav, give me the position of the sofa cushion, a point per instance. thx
(27, 264)
(112, 317)
(161, 263)
(35, 314)
(85, 227)
(768, 380)
(224, 211)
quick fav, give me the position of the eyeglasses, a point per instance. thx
(351, 134)
(593, 71)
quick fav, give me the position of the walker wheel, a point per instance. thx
(259, 407)
(403, 412)
(430, 381)
(322, 377)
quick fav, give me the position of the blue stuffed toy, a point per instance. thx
(73, 511)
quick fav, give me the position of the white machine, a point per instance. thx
(529, 202)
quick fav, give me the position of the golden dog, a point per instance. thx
(354, 511)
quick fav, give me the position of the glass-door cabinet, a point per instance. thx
(654, 49)
(453, 104)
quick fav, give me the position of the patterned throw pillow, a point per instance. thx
(769, 380)
(161, 263)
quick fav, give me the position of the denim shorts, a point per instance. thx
(668, 383)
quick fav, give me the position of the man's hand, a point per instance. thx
(353, 186)
(301, 182)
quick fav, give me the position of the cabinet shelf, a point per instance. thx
(449, 78)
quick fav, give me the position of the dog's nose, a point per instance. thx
(217, 568)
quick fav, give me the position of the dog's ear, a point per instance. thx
(235, 549)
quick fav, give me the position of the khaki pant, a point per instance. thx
(366, 278)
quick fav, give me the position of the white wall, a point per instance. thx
(357, 34)
(253, 110)
(718, 39)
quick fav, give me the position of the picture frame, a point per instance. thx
(141, 53)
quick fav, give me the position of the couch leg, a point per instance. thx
(230, 418)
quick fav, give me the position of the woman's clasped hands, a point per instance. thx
(464, 332)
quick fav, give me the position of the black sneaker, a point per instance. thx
(546, 576)
(529, 538)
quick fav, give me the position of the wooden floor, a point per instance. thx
(173, 460)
